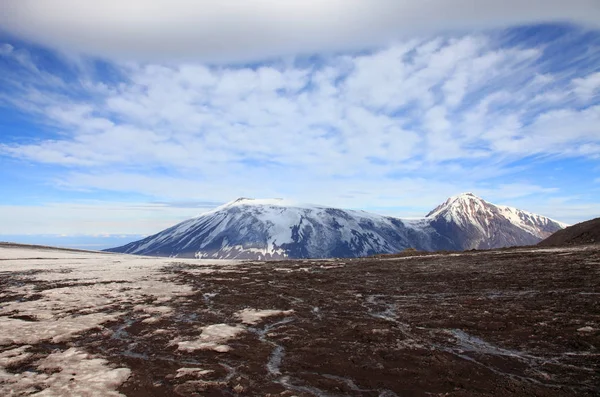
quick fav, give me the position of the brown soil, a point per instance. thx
(580, 234)
(497, 323)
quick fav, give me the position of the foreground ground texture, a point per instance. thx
(498, 323)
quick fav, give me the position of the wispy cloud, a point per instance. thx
(587, 87)
(400, 126)
(419, 104)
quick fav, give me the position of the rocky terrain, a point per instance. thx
(278, 229)
(513, 322)
(583, 233)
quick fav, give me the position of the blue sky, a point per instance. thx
(101, 142)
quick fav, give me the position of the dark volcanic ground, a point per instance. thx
(522, 322)
(583, 233)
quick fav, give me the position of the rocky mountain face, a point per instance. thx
(473, 223)
(277, 229)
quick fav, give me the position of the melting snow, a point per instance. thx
(69, 293)
(586, 329)
(14, 356)
(253, 316)
(195, 372)
(213, 337)
(79, 374)
(14, 331)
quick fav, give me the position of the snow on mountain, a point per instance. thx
(475, 223)
(276, 229)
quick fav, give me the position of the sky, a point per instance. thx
(121, 118)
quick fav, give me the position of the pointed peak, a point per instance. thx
(463, 197)
(457, 201)
(468, 195)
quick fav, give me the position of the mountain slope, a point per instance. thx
(472, 222)
(272, 229)
(587, 232)
(275, 229)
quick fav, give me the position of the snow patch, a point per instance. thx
(195, 372)
(253, 316)
(213, 337)
(14, 356)
(151, 320)
(586, 329)
(78, 374)
(153, 309)
(14, 331)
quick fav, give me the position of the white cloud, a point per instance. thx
(587, 87)
(230, 30)
(569, 209)
(509, 191)
(397, 109)
(564, 131)
(385, 130)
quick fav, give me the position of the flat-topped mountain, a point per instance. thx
(277, 229)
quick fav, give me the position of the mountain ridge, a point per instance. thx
(276, 229)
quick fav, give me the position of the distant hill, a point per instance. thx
(8, 244)
(587, 232)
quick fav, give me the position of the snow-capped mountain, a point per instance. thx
(272, 229)
(276, 229)
(471, 222)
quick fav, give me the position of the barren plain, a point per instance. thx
(515, 322)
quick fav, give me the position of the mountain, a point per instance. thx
(587, 232)
(276, 229)
(473, 223)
